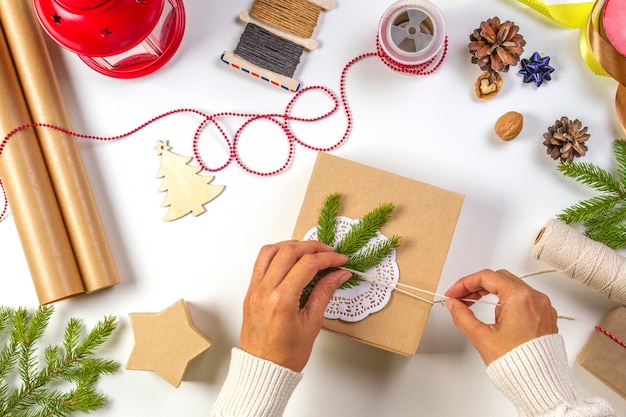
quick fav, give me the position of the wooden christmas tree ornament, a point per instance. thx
(166, 342)
(187, 191)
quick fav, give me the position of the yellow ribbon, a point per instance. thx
(571, 15)
(597, 52)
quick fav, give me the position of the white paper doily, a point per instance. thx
(356, 303)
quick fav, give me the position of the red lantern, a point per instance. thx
(118, 38)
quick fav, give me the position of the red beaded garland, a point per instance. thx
(4, 199)
(282, 120)
(425, 68)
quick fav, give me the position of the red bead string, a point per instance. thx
(612, 336)
(281, 120)
(425, 68)
(5, 200)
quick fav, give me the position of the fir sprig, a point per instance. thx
(354, 243)
(327, 219)
(603, 216)
(75, 362)
(361, 233)
(370, 257)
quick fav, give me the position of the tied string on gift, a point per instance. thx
(611, 335)
(602, 40)
(413, 292)
(569, 252)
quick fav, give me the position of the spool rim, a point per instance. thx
(427, 52)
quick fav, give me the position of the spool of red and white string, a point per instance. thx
(412, 37)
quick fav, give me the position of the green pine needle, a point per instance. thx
(361, 233)
(75, 363)
(327, 220)
(372, 256)
(614, 236)
(591, 176)
(603, 216)
(620, 157)
(353, 244)
(612, 218)
(588, 210)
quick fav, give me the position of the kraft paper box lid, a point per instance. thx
(425, 216)
(604, 357)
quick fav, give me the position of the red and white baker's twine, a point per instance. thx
(612, 336)
(281, 120)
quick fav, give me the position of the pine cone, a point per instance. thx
(495, 46)
(566, 139)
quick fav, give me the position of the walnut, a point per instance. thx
(509, 125)
(488, 85)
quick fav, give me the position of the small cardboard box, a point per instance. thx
(604, 357)
(425, 216)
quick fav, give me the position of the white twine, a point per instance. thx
(592, 263)
(408, 290)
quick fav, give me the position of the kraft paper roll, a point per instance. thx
(29, 192)
(61, 152)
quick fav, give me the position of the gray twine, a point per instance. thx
(266, 50)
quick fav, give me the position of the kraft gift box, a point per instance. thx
(425, 216)
(604, 357)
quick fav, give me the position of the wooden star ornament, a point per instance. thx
(166, 342)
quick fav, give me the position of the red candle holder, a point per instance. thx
(118, 38)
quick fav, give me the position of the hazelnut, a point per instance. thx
(509, 125)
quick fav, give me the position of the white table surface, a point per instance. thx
(431, 129)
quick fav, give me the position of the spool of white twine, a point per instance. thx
(592, 263)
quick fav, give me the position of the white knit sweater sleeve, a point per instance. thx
(255, 387)
(537, 378)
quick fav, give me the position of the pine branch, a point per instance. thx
(591, 176)
(360, 233)
(74, 363)
(620, 157)
(8, 356)
(613, 236)
(353, 244)
(327, 221)
(588, 209)
(615, 216)
(603, 216)
(369, 258)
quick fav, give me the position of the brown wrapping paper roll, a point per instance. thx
(29, 191)
(61, 153)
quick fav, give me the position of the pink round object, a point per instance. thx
(614, 20)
